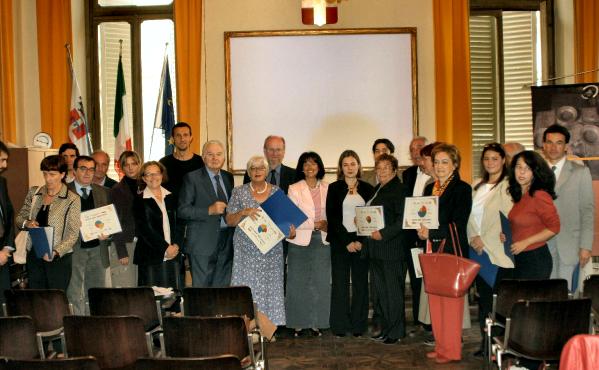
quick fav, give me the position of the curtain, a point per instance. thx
(188, 44)
(8, 130)
(586, 39)
(452, 78)
(53, 32)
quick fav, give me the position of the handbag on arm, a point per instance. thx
(447, 275)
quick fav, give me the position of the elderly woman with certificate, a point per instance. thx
(386, 251)
(262, 272)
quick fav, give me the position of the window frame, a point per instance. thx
(134, 15)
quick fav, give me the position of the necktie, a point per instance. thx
(2, 230)
(553, 168)
(220, 193)
(85, 194)
(273, 177)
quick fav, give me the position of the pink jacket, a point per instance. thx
(299, 193)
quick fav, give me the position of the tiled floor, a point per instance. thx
(330, 352)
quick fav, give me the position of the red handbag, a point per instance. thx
(447, 275)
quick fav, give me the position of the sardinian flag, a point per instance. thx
(78, 131)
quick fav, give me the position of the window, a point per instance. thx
(508, 52)
(147, 33)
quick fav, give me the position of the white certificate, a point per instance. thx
(262, 231)
(369, 219)
(421, 210)
(98, 221)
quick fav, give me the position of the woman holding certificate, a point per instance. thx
(308, 300)
(343, 196)
(386, 251)
(263, 273)
(51, 205)
(489, 197)
(156, 253)
(455, 203)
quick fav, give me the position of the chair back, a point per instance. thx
(203, 337)
(46, 307)
(591, 290)
(225, 362)
(540, 329)
(125, 301)
(511, 291)
(115, 341)
(72, 363)
(217, 302)
(17, 338)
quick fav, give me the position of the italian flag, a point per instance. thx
(121, 120)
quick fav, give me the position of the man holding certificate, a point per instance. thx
(90, 258)
(386, 251)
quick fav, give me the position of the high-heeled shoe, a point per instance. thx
(432, 355)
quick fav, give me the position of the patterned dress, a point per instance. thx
(263, 273)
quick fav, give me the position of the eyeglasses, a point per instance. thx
(152, 175)
(275, 150)
(87, 169)
(257, 169)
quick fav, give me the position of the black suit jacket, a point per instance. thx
(287, 178)
(151, 244)
(109, 183)
(8, 216)
(409, 179)
(337, 234)
(455, 205)
(392, 197)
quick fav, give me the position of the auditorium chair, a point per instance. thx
(18, 339)
(74, 363)
(225, 362)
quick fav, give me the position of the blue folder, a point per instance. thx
(575, 277)
(488, 271)
(42, 240)
(283, 211)
(506, 229)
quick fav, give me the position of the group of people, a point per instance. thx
(186, 203)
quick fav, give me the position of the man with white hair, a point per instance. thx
(203, 200)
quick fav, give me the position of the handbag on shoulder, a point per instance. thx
(447, 275)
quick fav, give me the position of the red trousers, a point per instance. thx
(447, 315)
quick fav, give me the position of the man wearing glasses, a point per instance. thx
(278, 173)
(90, 259)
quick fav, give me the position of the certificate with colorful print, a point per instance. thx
(262, 231)
(99, 221)
(369, 219)
(421, 211)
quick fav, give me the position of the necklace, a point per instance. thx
(352, 188)
(315, 186)
(259, 191)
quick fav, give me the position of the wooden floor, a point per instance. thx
(330, 352)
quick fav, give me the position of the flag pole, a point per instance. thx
(159, 100)
(74, 77)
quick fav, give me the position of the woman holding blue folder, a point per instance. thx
(489, 197)
(51, 205)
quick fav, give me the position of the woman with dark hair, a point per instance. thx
(308, 293)
(344, 195)
(124, 273)
(455, 202)
(534, 218)
(51, 205)
(489, 197)
(386, 251)
(157, 251)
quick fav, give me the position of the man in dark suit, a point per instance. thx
(7, 233)
(279, 174)
(90, 259)
(102, 160)
(203, 199)
(414, 180)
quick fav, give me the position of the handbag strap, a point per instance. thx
(429, 246)
(453, 231)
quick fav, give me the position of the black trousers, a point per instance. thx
(345, 316)
(4, 279)
(415, 283)
(535, 264)
(390, 288)
(167, 274)
(49, 275)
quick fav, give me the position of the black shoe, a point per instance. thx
(340, 335)
(479, 353)
(315, 332)
(429, 341)
(379, 337)
(391, 341)
(358, 335)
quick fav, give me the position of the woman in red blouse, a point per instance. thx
(534, 218)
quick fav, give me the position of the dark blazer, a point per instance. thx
(101, 198)
(195, 196)
(122, 197)
(455, 205)
(337, 234)
(392, 197)
(109, 183)
(8, 214)
(287, 178)
(151, 244)
(409, 179)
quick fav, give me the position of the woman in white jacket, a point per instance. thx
(489, 198)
